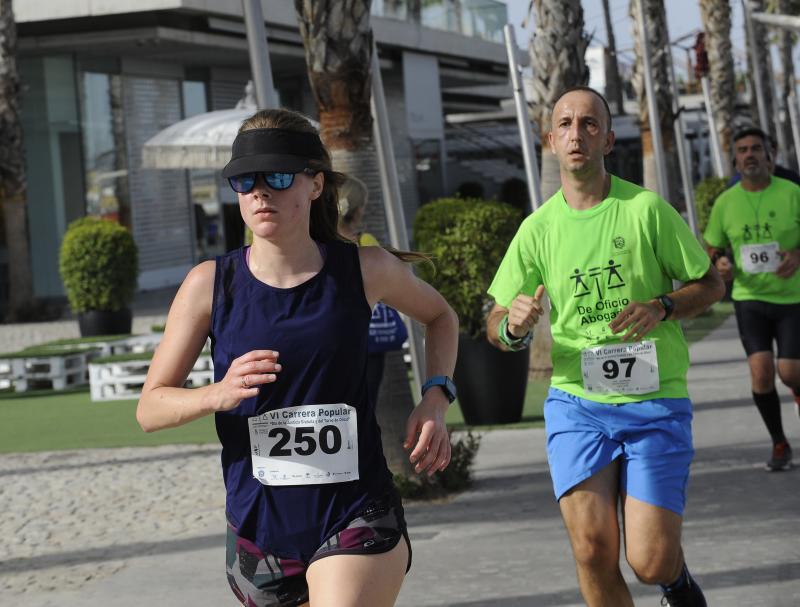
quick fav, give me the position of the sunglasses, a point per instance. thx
(244, 183)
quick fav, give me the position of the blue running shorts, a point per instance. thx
(652, 438)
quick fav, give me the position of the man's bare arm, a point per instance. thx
(493, 320)
(637, 319)
(696, 296)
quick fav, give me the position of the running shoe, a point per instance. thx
(781, 457)
(688, 595)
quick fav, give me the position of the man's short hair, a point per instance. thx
(753, 131)
(587, 89)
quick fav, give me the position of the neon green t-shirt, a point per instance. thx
(756, 225)
(593, 263)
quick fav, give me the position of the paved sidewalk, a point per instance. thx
(149, 308)
(500, 544)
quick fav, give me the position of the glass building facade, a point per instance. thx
(482, 19)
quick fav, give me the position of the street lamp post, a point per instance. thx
(713, 134)
(395, 220)
(259, 54)
(523, 121)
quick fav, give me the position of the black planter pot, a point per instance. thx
(105, 322)
(491, 384)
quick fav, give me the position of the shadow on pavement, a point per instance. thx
(765, 574)
(113, 553)
(211, 451)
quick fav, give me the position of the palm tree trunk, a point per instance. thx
(415, 11)
(614, 91)
(658, 40)
(13, 191)
(716, 16)
(338, 40)
(556, 50)
(120, 151)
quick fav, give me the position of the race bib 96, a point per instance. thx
(757, 258)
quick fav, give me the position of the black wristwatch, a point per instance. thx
(669, 305)
(444, 382)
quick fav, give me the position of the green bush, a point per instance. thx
(705, 193)
(98, 262)
(456, 477)
(467, 239)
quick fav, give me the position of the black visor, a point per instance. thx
(274, 151)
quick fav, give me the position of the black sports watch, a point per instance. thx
(444, 382)
(669, 305)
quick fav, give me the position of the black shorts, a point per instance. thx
(259, 578)
(761, 323)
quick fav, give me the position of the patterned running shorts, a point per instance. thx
(261, 579)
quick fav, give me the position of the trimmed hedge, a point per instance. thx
(467, 239)
(99, 265)
(705, 193)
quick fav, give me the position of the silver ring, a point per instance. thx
(245, 385)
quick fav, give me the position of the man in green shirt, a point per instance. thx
(617, 416)
(759, 219)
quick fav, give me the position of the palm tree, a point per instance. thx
(120, 151)
(13, 191)
(614, 90)
(337, 36)
(658, 41)
(716, 16)
(556, 51)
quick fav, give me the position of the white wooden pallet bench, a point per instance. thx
(124, 378)
(62, 364)
(6, 374)
(44, 370)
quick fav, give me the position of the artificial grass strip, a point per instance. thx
(72, 421)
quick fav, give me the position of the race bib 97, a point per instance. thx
(624, 368)
(757, 258)
(305, 445)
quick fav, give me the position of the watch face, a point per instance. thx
(666, 301)
(451, 388)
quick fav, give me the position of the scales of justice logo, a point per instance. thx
(757, 231)
(598, 279)
(593, 292)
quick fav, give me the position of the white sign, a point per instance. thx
(620, 368)
(305, 445)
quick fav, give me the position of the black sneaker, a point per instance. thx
(781, 457)
(688, 595)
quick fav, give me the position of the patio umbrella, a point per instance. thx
(204, 141)
(200, 142)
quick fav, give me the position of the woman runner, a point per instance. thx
(313, 515)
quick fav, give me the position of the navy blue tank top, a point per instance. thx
(320, 329)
